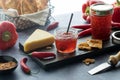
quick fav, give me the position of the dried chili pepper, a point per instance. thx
(82, 26)
(43, 55)
(24, 67)
(85, 32)
(52, 26)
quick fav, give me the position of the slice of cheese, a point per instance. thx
(38, 39)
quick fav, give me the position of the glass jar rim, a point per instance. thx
(101, 9)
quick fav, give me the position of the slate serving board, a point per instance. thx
(74, 57)
(66, 59)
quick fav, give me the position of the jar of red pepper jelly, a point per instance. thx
(101, 16)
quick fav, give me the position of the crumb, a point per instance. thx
(88, 61)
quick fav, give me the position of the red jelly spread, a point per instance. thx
(101, 15)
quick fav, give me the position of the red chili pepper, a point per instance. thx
(52, 26)
(85, 32)
(43, 55)
(86, 26)
(82, 26)
(24, 67)
(87, 29)
(115, 25)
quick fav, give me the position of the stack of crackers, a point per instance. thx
(90, 44)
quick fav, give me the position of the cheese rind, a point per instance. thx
(38, 39)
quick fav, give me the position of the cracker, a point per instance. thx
(95, 43)
(84, 46)
(24, 6)
(11, 4)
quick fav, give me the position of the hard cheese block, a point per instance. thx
(38, 39)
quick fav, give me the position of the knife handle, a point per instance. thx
(114, 59)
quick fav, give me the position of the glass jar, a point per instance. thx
(65, 42)
(101, 16)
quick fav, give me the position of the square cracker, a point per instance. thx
(95, 43)
(84, 46)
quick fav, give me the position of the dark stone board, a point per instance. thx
(78, 55)
(68, 59)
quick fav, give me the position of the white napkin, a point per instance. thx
(39, 17)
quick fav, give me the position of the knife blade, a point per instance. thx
(112, 61)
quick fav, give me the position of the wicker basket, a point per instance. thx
(22, 23)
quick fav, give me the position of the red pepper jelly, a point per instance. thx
(101, 16)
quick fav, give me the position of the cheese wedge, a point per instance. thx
(38, 39)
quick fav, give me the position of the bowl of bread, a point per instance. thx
(26, 13)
